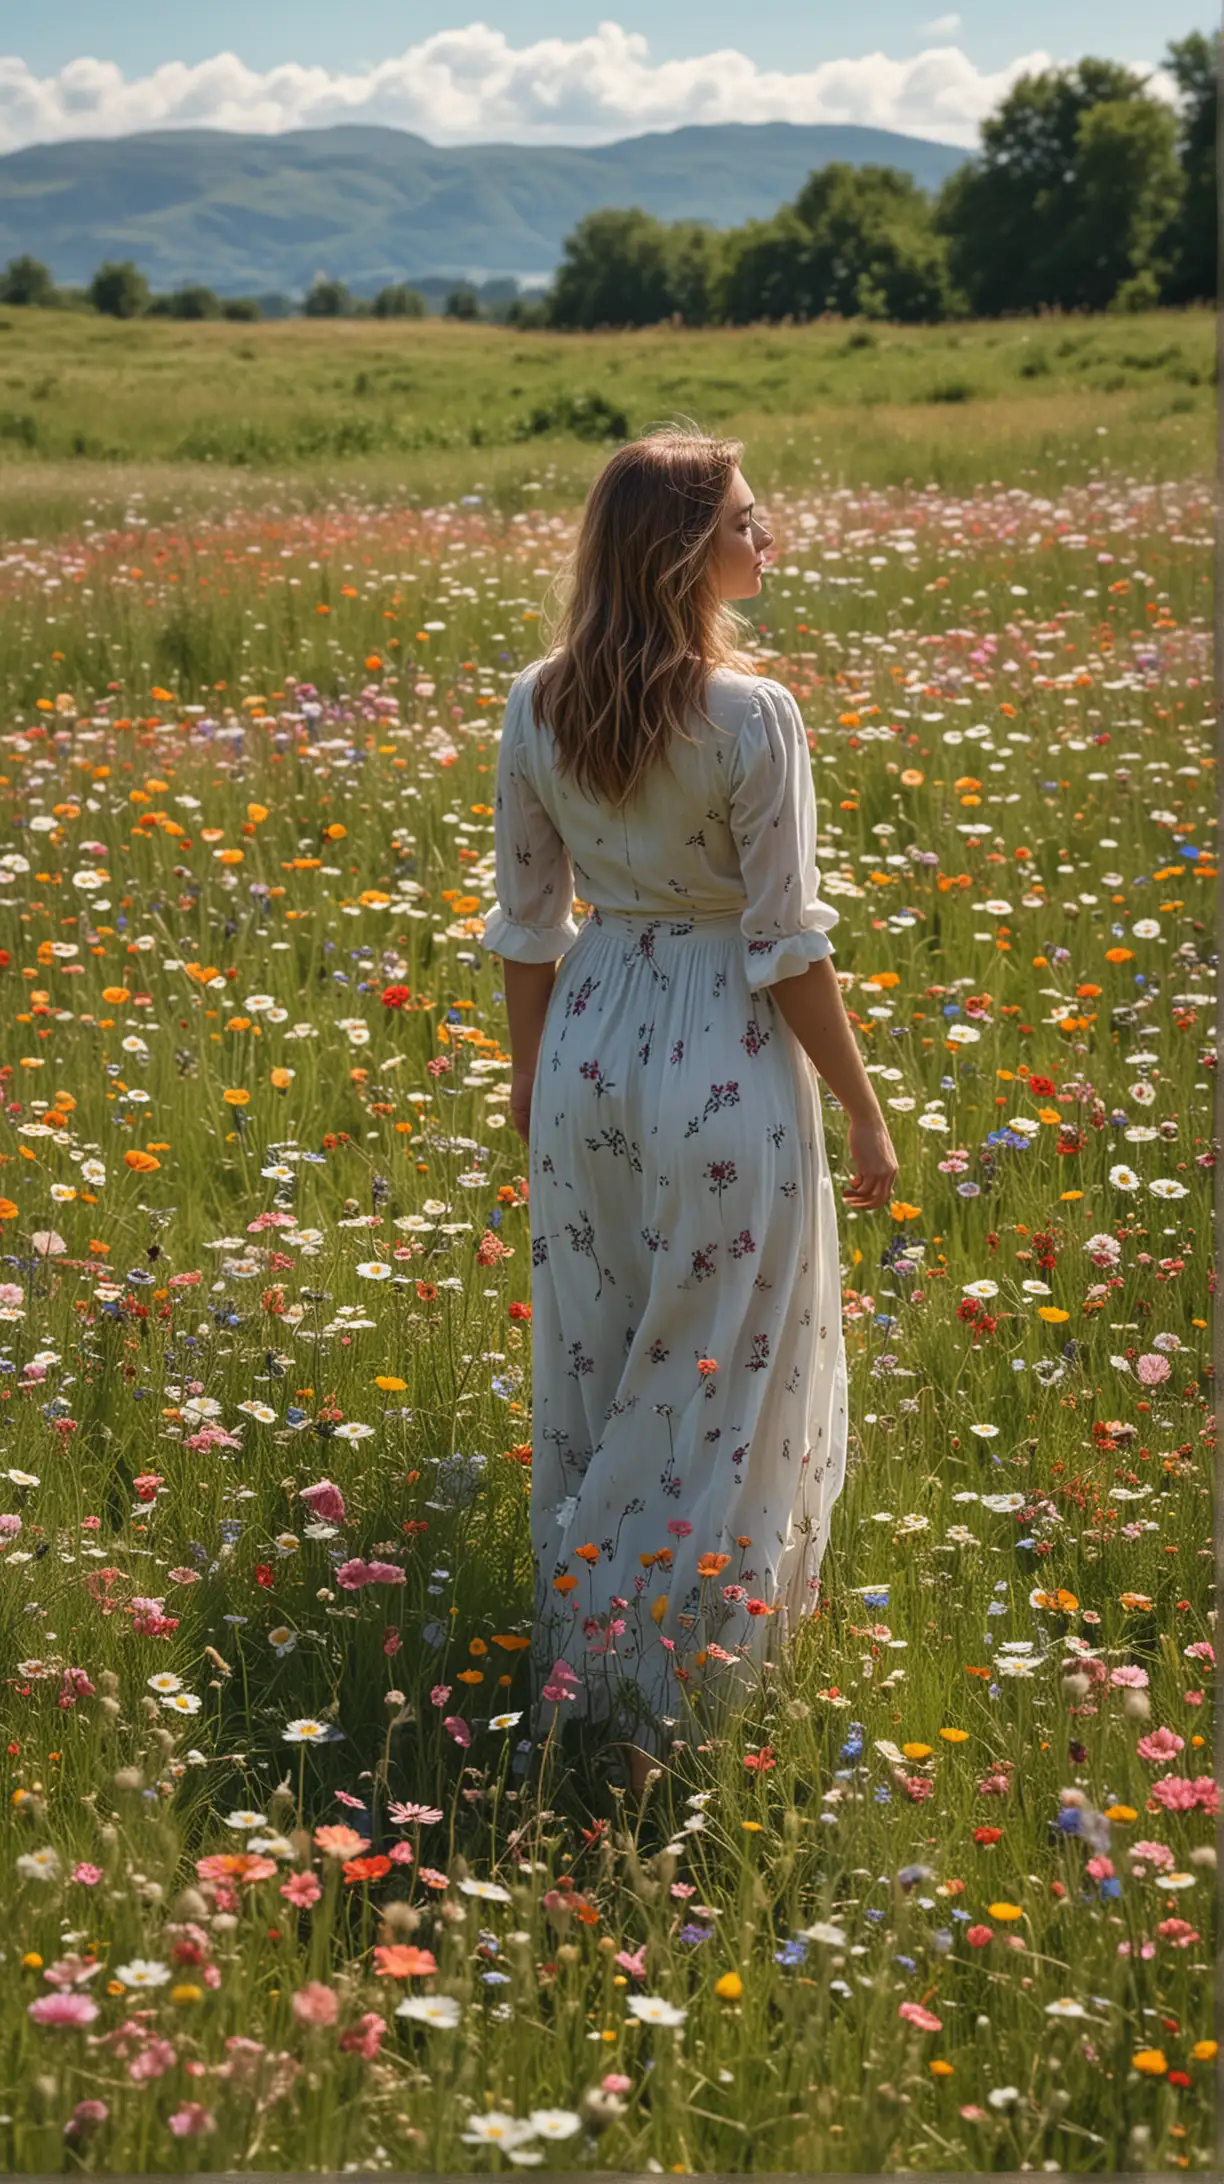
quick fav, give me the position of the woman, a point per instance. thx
(689, 1377)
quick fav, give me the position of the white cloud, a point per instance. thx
(472, 85)
(943, 26)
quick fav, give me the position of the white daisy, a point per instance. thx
(439, 2010)
(143, 1972)
(654, 2009)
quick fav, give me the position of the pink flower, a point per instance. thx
(65, 2010)
(458, 1729)
(340, 1841)
(1100, 1869)
(72, 1971)
(1157, 1854)
(1194, 1698)
(301, 1890)
(1160, 1745)
(192, 2120)
(10, 1527)
(88, 1875)
(440, 1694)
(384, 1573)
(365, 2037)
(616, 2082)
(1200, 1650)
(152, 2062)
(1207, 1792)
(315, 2004)
(324, 1500)
(925, 2020)
(679, 1527)
(400, 1854)
(1178, 1931)
(633, 1962)
(1175, 1793)
(1152, 1368)
(1132, 1679)
(972, 2113)
(978, 1936)
(353, 1575)
(84, 2117)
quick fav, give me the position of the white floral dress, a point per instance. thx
(689, 1377)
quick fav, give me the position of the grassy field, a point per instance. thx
(287, 1886)
(420, 410)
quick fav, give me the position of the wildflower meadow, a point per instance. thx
(287, 1886)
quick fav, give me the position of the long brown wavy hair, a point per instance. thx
(641, 626)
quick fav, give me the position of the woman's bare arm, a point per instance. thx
(812, 1006)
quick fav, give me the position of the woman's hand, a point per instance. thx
(874, 1163)
(522, 1082)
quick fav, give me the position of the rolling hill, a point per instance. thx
(370, 205)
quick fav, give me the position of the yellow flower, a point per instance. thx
(236, 1097)
(31, 1961)
(954, 1736)
(730, 1987)
(940, 2069)
(1121, 1813)
(389, 1384)
(1005, 1911)
(1053, 1313)
(751, 1827)
(916, 1751)
(186, 1995)
(1152, 2061)
(1205, 2051)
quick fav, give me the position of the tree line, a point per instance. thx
(1088, 193)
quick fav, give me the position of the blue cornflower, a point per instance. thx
(791, 1953)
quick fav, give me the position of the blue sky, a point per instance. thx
(788, 34)
(547, 71)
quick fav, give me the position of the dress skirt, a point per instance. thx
(689, 1373)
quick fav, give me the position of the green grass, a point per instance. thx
(198, 865)
(423, 408)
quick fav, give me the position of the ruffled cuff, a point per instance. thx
(766, 962)
(504, 936)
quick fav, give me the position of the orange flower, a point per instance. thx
(256, 814)
(8, 1211)
(1119, 955)
(366, 1869)
(588, 1554)
(711, 1565)
(706, 1365)
(116, 995)
(236, 1098)
(564, 1584)
(143, 1163)
(403, 1960)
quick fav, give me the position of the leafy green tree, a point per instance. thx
(1193, 238)
(399, 301)
(1127, 179)
(119, 291)
(615, 271)
(26, 281)
(327, 299)
(765, 272)
(1024, 221)
(859, 241)
(873, 244)
(694, 268)
(463, 302)
(194, 302)
(243, 310)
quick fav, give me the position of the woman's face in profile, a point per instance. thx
(741, 543)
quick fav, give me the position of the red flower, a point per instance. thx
(987, 1835)
(394, 997)
(264, 1576)
(760, 1762)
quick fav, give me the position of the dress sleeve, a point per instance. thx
(532, 921)
(773, 818)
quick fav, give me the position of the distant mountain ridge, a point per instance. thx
(371, 205)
